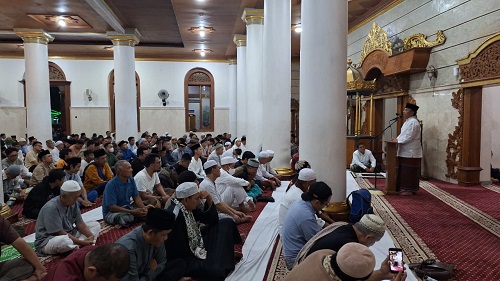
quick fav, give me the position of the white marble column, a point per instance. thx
(277, 67)
(232, 97)
(254, 19)
(241, 97)
(323, 55)
(36, 60)
(125, 88)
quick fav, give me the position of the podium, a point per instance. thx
(391, 159)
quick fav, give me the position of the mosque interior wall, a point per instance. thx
(466, 24)
(13, 120)
(91, 116)
(90, 120)
(490, 130)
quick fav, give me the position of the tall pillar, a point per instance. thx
(36, 60)
(241, 87)
(277, 69)
(125, 84)
(323, 53)
(232, 97)
(254, 19)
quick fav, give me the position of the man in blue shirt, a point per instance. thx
(125, 151)
(300, 223)
(116, 204)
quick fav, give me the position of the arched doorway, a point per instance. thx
(199, 100)
(60, 98)
(112, 100)
(480, 68)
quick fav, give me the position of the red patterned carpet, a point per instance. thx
(455, 232)
(480, 197)
(110, 234)
(380, 183)
(244, 228)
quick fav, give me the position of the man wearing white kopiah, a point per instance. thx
(232, 189)
(306, 178)
(268, 164)
(267, 179)
(55, 227)
(212, 169)
(363, 160)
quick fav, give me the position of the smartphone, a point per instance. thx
(396, 260)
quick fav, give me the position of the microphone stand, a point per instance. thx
(376, 138)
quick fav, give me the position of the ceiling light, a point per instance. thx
(202, 52)
(67, 21)
(202, 30)
(297, 28)
(61, 22)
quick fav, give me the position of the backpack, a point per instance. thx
(85, 170)
(360, 206)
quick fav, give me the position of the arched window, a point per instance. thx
(199, 100)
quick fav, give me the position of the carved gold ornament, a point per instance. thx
(5, 210)
(355, 79)
(455, 140)
(377, 40)
(419, 40)
(361, 85)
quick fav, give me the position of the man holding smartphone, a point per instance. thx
(353, 261)
(369, 230)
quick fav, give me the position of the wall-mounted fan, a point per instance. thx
(163, 95)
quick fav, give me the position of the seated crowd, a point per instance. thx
(192, 191)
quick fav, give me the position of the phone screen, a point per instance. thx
(396, 260)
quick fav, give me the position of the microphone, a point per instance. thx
(396, 118)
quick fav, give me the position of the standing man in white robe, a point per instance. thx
(409, 152)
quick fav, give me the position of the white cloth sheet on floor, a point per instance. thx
(260, 241)
(259, 244)
(93, 215)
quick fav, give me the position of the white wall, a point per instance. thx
(90, 120)
(94, 75)
(490, 130)
(170, 76)
(11, 92)
(87, 74)
(389, 109)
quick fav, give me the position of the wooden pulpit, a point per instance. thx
(391, 159)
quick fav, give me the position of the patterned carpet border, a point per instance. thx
(492, 187)
(481, 218)
(402, 234)
(277, 269)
